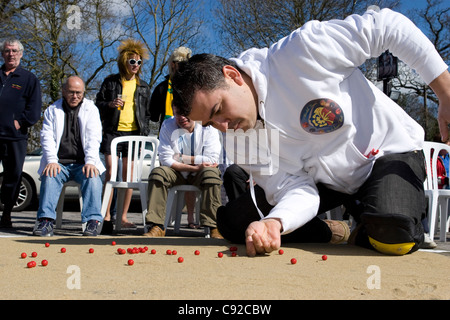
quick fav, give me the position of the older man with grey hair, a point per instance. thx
(70, 139)
(20, 108)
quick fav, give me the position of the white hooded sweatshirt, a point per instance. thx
(331, 123)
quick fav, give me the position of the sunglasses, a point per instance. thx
(134, 61)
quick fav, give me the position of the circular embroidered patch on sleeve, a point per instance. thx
(321, 116)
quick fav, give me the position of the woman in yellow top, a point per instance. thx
(124, 104)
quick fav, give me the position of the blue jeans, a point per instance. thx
(91, 192)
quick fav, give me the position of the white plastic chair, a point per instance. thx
(175, 203)
(138, 148)
(437, 198)
(60, 206)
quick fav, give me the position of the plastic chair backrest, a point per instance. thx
(138, 148)
(431, 151)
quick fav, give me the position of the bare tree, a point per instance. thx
(65, 37)
(434, 20)
(164, 25)
(62, 38)
(420, 102)
(260, 23)
(9, 8)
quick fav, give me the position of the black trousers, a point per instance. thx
(235, 181)
(12, 156)
(389, 206)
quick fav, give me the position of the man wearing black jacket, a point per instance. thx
(20, 108)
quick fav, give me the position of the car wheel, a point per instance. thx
(25, 195)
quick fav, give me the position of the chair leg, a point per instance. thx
(336, 214)
(443, 220)
(119, 207)
(60, 208)
(198, 206)
(106, 196)
(80, 198)
(170, 207)
(144, 204)
(433, 212)
(179, 210)
(447, 217)
(198, 203)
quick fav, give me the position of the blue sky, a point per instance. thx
(404, 7)
(407, 5)
(214, 46)
(411, 4)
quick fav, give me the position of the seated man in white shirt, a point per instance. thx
(70, 139)
(188, 154)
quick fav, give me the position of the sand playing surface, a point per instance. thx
(348, 273)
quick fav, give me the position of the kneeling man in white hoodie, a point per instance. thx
(325, 135)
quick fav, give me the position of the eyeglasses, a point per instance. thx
(12, 51)
(134, 61)
(75, 93)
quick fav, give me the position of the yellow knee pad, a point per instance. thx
(393, 249)
(393, 234)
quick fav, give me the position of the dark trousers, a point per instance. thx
(12, 156)
(393, 195)
(235, 181)
(162, 178)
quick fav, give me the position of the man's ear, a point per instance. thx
(233, 74)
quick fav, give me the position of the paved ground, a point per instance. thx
(23, 223)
